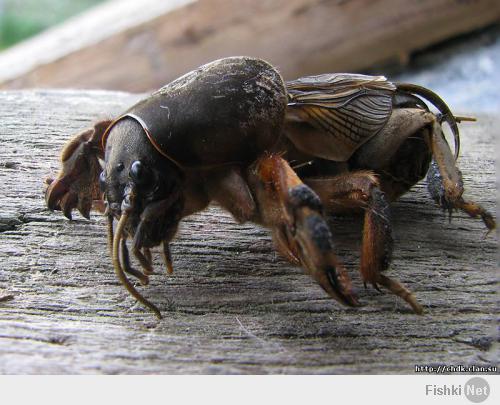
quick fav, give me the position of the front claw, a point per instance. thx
(77, 183)
(315, 250)
(300, 230)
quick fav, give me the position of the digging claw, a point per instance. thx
(316, 253)
(68, 202)
(77, 184)
(302, 230)
(84, 205)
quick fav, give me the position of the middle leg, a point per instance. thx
(361, 190)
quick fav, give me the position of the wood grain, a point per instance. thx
(137, 46)
(232, 305)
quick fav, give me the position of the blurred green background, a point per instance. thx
(20, 19)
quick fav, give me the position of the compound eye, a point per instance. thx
(139, 173)
(102, 181)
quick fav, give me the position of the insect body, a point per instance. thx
(227, 132)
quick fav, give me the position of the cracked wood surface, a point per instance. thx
(232, 305)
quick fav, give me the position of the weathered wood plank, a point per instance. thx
(232, 306)
(137, 46)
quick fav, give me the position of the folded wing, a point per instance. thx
(331, 115)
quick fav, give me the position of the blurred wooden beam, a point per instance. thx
(136, 46)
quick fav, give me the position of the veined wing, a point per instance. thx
(345, 109)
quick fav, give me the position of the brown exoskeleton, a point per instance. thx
(227, 132)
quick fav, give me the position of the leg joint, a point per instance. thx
(303, 196)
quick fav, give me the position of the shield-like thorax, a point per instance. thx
(229, 110)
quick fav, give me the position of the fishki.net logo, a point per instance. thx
(476, 390)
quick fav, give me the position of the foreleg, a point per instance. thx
(77, 183)
(294, 213)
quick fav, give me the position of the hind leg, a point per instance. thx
(444, 180)
(357, 190)
(411, 146)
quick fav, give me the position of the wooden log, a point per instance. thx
(137, 46)
(232, 305)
